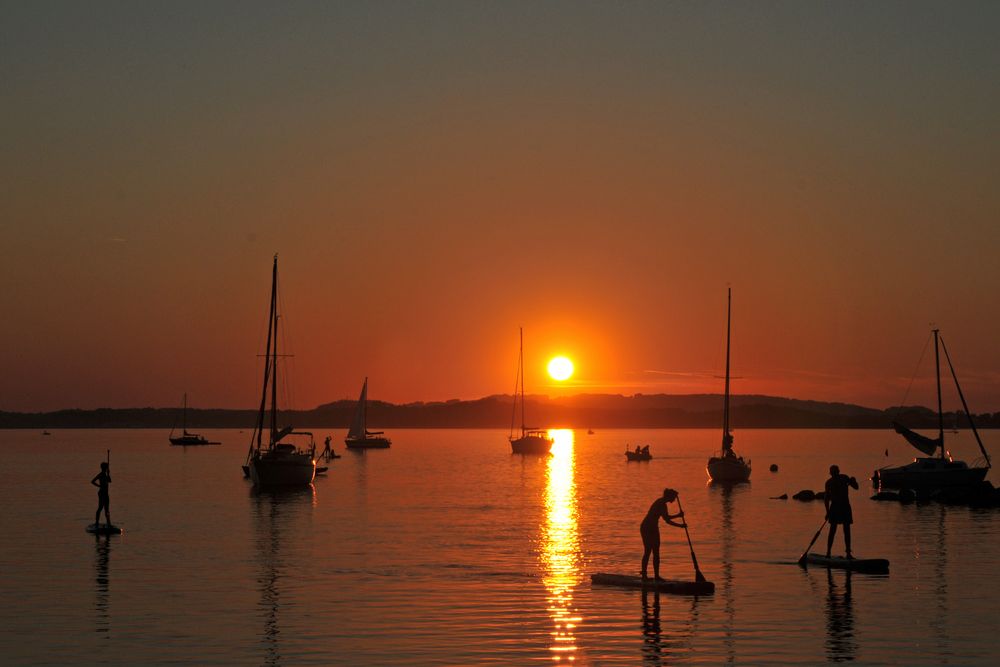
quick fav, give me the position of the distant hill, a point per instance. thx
(580, 411)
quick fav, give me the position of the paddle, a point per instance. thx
(698, 576)
(802, 560)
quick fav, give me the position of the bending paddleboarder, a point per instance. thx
(101, 481)
(838, 507)
(649, 529)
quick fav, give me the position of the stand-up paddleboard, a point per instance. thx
(104, 529)
(663, 585)
(870, 565)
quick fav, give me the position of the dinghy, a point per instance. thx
(104, 529)
(673, 586)
(869, 565)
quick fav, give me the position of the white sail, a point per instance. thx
(358, 424)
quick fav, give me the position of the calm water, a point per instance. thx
(446, 549)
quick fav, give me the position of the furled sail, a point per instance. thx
(358, 423)
(927, 445)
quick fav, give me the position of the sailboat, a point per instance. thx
(271, 462)
(188, 438)
(728, 467)
(935, 472)
(359, 437)
(532, 440)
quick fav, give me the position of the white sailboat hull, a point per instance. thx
(929, 473)
(728, 469)
(282, 468)
(531, 444)
(367, 442)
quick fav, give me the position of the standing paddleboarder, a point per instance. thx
(649, 529)
(838, 507)
(101, 481)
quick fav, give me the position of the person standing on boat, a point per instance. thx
(649, 529)
(101, 481)
(838, 507)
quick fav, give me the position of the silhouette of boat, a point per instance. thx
(640, 455)
(188, 438)
(935, 472)
(532, 440)
(358, 436)
(728, 467)
(273, 462)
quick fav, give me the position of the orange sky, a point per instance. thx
(432, 178)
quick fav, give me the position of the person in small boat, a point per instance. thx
(838, 507)
(649, 529)
(645, 450)
(638, 449)
(101, 481)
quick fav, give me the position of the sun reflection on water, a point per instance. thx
(561, 545)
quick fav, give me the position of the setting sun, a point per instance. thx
(560, 368)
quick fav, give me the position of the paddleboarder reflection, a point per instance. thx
(652, 645)
(840, 643)
(101, 481)
(649, 529)
(102, 580)
(838, 507)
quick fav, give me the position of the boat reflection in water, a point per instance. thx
(560, 553)
(276, 515)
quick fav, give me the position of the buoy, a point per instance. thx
(774, 467)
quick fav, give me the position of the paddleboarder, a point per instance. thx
(649, 529)
(101, 481)
(838, 507)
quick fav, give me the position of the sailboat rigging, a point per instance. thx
(931, 471)
(532, 440)
(359, 437)
(187, 438)
(271, 462)
(728, 467)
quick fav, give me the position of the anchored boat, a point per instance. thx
(935, 472)
(728, 467)
(187, 438)
(532, 440)
(359, 437)
(272, 462)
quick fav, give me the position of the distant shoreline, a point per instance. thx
(584, 411)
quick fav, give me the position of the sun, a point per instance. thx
(560, 368)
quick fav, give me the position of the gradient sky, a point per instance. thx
(434, 175)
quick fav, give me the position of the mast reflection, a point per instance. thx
(561, 545)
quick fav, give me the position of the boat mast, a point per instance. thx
(274, 350)
(364, 415)
(184, 414)
(267, 358)
(726, 442)
(937, 368)
(520, 361)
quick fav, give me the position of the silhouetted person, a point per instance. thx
(638, 449)
(650, 530)
(838, 507)
(101, 481)
(645, 450)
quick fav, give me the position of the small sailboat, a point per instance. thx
(359, 437)
(728, 467)
(272, 462)
(532, 440)
(187, 438)
(935, 472)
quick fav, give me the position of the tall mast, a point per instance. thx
(520, 361)
(274, 350)
(364, 416)
(267, 357)
(725, 407)
(937, 368)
